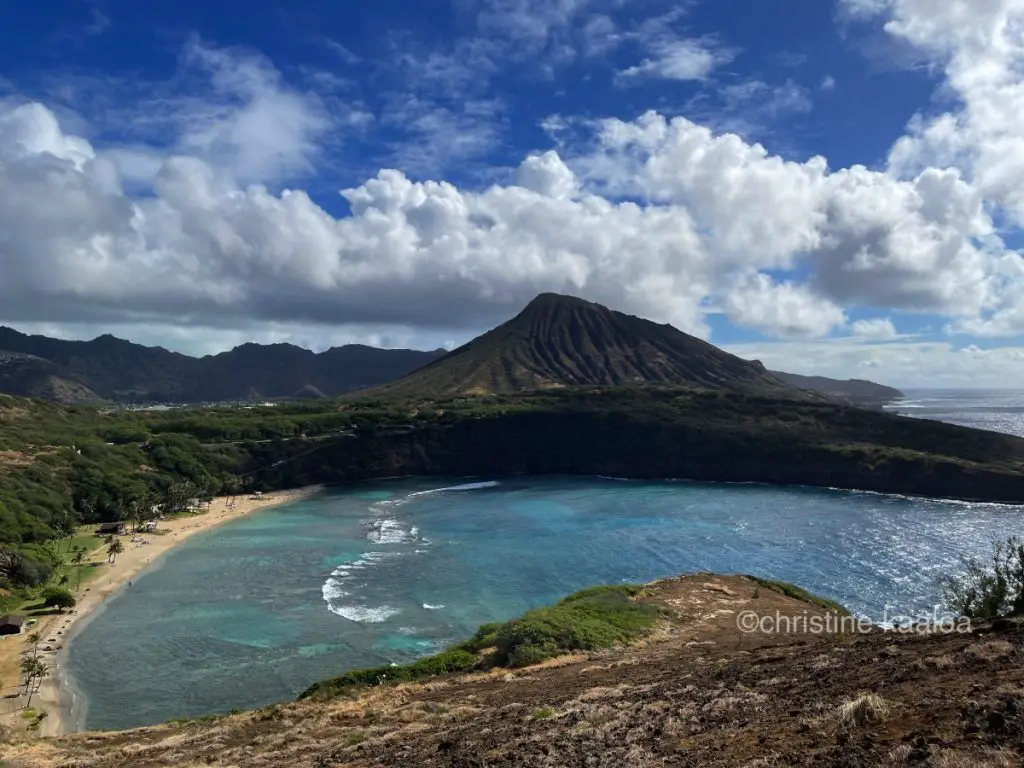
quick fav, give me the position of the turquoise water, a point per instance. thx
(254, 611)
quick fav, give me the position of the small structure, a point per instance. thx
(257, 494)
(111, 529)
(11, 624)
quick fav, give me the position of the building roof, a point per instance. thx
(11, 620)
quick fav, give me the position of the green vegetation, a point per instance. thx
(33, 670)
(592, 619)
(62, 467)
(791, 590)
(57, 597)
(454, 660)
(989, 590)
(599, 617)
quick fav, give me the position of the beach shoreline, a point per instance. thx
(58, 629)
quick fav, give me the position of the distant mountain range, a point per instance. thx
(556, 341)
(108, 368)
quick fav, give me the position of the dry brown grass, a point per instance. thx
(866, 708)
(944, 661)
(952, 758)
(824, 661)
(991, 650)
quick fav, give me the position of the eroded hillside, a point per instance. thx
(697, 693)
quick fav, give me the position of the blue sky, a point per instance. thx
(823, 85)
(804, 181)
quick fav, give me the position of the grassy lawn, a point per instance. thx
(84, 539)
(87, 540)
(82, 574)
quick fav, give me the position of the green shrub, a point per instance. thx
(528, 655)
(599, 617)
(989, 590)
(445, 663)
(486, 637)
(595, 618)
(798, 593)
(58, 597)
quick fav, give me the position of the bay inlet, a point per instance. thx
(256, 610)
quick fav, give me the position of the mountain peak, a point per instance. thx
(565, 341)
(548, 302)
(548, 298)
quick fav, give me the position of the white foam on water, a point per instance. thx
(392, 503)
(383, 529)
(365, 615)
(331, 590)
(338, 584)
(388, 531)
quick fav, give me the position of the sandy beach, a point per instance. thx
(136, 557)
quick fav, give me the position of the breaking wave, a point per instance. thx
(384, 528)
(390, 531)
(365, 615)
(336, 589)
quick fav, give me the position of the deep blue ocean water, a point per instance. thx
(254, 611)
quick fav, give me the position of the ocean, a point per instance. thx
(253, 612)
(998, 410)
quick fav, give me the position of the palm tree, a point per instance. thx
(70, 520)
(34, 639)
(34, 671)
(77, 559)
(114, 549)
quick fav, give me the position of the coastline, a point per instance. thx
(57, 630)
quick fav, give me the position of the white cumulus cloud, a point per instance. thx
(660, 217)
(874, 328)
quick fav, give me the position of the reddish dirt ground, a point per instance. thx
(699, 693)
